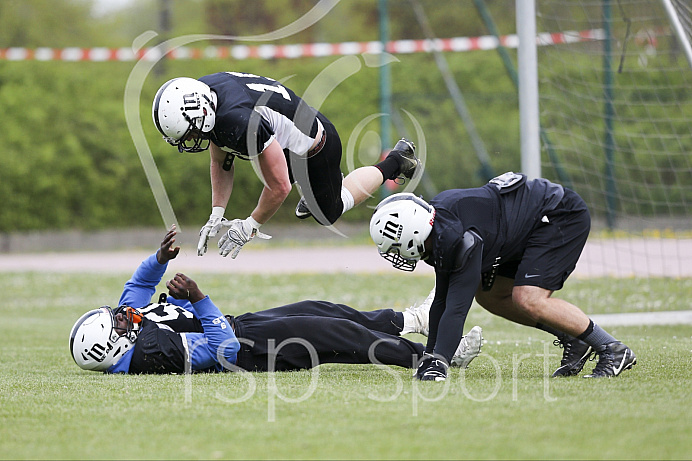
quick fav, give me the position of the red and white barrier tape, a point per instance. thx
(240, 52)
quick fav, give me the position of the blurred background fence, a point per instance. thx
(614, 87)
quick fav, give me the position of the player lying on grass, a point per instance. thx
(510, 244)
(186, 331)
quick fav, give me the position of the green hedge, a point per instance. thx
(68, 160)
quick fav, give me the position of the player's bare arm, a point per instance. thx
(221, 188)
(221, 180)
(277, 184)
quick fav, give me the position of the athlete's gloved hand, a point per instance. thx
(241, 232)
(211, 228)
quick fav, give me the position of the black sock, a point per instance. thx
(389, 167)
(587, 332)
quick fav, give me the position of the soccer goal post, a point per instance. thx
(615, 103)
(680, 15)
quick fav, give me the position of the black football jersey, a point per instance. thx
(160, 346)
(503, 219)
(158, 350)
(252, 110)
(174, 317)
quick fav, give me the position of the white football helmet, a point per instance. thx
(94, 342)
(399, 227)
(184, 111)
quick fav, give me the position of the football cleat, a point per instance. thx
(613, 360)
(574, 356)
(469, 348)
(404, 150)
(420, 315)
(302, 211)
(432, 369)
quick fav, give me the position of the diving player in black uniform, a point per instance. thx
(510, 244)
(256, 118)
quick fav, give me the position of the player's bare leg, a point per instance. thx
(613, 356)
(400, 162)
(498, 301)
(362, 182)
(355, 189)
(537, 304)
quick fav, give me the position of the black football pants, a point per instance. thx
(308, 333)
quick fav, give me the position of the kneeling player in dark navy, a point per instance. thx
(186, 332)
(511, 244)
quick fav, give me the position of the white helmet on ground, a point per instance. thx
(399, 227)
(183, 107)
(94, 342)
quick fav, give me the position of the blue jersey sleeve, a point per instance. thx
(123, 365)
(217, 346)
(142, 286)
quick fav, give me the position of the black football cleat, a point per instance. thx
(613, 360)
(574, 356)
(432, 369)
(302, 211)
(404, 150)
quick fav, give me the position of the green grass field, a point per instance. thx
(503, 407)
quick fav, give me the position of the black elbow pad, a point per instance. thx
(469, 242)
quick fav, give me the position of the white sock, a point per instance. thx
(409, 323)
(347, 199)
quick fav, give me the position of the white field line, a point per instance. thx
(644, 318)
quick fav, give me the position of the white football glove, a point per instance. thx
(241, 232)
(211, 228)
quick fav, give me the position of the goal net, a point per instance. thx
(616, 115)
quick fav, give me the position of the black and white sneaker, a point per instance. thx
(302, 211)
(432, 369)
(613, 360)
(574, 356)
(404, 150)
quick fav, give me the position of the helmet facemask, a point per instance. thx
(200, 140)
(398, 261)
(133, 319)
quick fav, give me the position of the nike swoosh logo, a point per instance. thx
(622, 364)
(527, 276)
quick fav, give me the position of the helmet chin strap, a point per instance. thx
(212, 101)
(421, 249)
